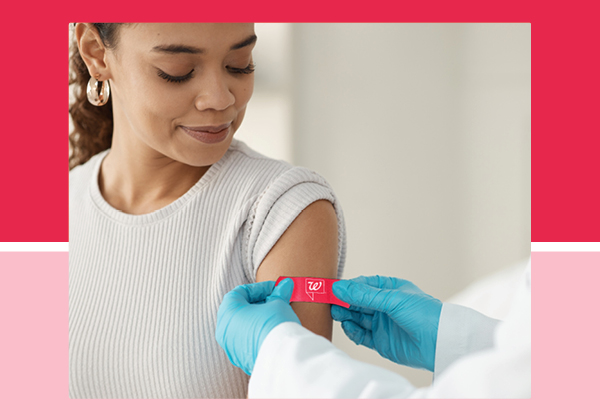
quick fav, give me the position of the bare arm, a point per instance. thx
(308, 248)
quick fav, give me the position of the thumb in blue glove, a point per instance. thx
(392, 316)
(246, 316)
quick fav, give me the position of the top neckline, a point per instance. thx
(157, 215)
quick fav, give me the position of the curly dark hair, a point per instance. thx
(92, 125)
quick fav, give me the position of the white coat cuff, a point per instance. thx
(265, 362)
(295, 363)
(461, 331)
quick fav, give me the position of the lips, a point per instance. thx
(209, 128)
(209, 134)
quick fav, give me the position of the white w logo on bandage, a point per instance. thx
(314, 286)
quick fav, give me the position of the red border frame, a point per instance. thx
(565, 88)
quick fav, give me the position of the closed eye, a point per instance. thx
(245, 70)
(175, 79)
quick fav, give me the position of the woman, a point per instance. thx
(168, 212)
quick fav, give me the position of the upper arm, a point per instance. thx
(308, 248)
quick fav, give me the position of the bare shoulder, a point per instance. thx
(308, 248)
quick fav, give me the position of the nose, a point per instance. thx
(215, 93)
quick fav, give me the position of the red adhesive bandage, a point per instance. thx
(313, 289)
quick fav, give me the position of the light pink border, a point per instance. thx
(34, 362)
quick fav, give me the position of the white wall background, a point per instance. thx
(423, 130)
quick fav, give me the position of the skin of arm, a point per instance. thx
(308, 248)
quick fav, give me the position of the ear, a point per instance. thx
(92, 50)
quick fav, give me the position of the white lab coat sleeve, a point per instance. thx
(461, 331)
(295, 363)
(501, 371)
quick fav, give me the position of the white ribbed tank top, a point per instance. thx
(144, 289)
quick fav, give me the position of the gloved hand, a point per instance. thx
(392, 316)
(246, 316)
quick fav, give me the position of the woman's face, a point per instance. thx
(181, 89)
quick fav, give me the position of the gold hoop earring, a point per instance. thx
(98, 91)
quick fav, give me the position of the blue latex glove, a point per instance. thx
(392, 316)
(246, 316)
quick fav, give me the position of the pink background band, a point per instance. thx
(34, 362)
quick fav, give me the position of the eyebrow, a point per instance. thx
(248, 41)
(187, 49)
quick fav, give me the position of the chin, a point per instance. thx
(206, 155)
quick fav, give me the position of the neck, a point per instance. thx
(137, 179)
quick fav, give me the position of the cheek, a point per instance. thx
(243, 95)
(152, 98)
(158, 111)
(160, 108)
(239, 119)
(246, 91)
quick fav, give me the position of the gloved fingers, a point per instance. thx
(381, 282)
(283, 291)
(342, 314)
(250, 293)
(358, 334)
(365, 296)
(365, 311)
(353, 308)
(236, 297)
(339, 313)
